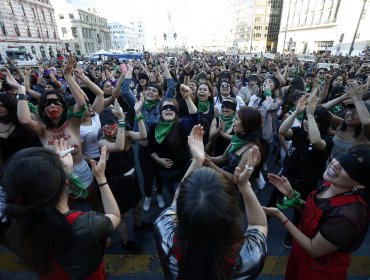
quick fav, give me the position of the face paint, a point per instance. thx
(54, 101)
(110, 130)
(53, 108)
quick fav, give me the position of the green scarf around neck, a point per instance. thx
(203, 106)
(150, 104)
(162, 129)
(228, 121)
(236, 143)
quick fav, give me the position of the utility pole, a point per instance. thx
(286, 25)
(358, 24)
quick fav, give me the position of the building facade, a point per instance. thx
(253, 25)
(127, 36)
(83, 32)
(28, 26)
(324, 25)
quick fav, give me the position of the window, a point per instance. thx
(16, 29)
(74, 31)
(23, 11)
(28, 31)
(33, 50)
(43, 15)
(64, 30)
(47, 33)
(10, 8)
(51, 15)
(77, 47)
(61, 16)
(38, 32)
(71, 16)
(2, 27)
(33, 12)
(54, 34)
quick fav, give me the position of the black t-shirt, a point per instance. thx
(303, 161)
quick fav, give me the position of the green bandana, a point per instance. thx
(237, 143)
(308, 88)
(203, 106)
(162, 129)
(300, 117)
(267, 92)
(150, 104)
(336, 109)
(228, 121)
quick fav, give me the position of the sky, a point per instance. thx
(194, 21)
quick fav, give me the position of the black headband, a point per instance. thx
(169, 106)
(229, 105)
(354, 168)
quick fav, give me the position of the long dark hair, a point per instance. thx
(41, 108)
(10, 104)
(34, 181)
(209, 224)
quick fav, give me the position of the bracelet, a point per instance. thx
(102, 184)
(283, 223)
(287, 203)
(21, 96)
(139, 118)
(121, 124)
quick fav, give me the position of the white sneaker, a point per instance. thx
(160, 201)
(146, 204)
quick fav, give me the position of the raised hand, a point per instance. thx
(98, 169)
(185, 91)
(311, 105)
(241, 178)
(61, 148)
(195, 143)
(356, 92)
(282, 184)
(301, 105)
(117, 110)
(139, 103)
(67, 71)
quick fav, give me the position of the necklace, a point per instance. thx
(7, 129)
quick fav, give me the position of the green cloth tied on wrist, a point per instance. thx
(301, 116)
(162, 129)
(33, 108)
(267, 92)
(203, 106)
(150, 104)
(77, 187)
(78, 115)
(288, 203)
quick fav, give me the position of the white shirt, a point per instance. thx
(89, 136)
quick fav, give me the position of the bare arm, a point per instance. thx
(313, 130)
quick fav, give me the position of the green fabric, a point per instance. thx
(162, 129)
(33, 108)
(77, 187)
(308, 88)
(300, 116)
(150, 104)
(78, 115)
(267, 92)
(203, 106)
(228, 121)
(287, 203)
(336, 109)
(236, 143)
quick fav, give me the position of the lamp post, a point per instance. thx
(358, 24)
(286, 26)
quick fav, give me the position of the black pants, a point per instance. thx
(150, 171)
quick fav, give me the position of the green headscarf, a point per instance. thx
(162, 129)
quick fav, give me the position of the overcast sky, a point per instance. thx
(193, 20)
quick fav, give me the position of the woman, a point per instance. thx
(151, 114)
(13, 137)
(167, 140)
(58, 121)
(250, 87)
(335, 218)
(355, 127)
(247, 126)
(222, 128)
(200, 235)
(309, 151)
(55, 240)
(206, 108)
(225, 91)
(120, 171)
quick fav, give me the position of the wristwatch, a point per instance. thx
(21, 96)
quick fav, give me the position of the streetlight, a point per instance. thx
(286, 26)
(358, 24)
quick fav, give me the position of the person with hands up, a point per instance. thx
(335, 217)
(200, 235)
(59, 243)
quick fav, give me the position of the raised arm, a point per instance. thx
(313, 130)
(142, 134)
(26, 75)
(76, 91)
(356, 92)
(253, 209)
(325, 89)
(186, 92)
(126, 94)
(287, 124)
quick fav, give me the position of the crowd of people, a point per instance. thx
(204, 125)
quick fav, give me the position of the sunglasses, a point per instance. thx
(225, 86)
(54, 101)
